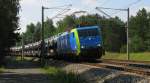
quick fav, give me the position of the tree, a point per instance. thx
(147, 41)
(37, 33)
(29, 34)
(9, 10)
(49, 28)
(66, 24)
(114, 35)
(113, 30)
(33, 32)
(139, 30)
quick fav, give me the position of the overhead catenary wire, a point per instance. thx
(127, 25)
(129, 5)
(133, 3)
(63, 11)
(59, 7)
(99, 9)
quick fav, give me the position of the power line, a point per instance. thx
(61, 13)
(99, 9)
(127, 26)
(61, 10)
(129, 5)
(133, 3)
(64, 10)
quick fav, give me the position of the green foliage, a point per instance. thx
(37, 32)
(33, 32)
(9, 10)
(115, 55)
(1, 69)
(139, 31)
(66, 24)
(123, 49)
(137, 44)
(139, 56)
(114, 35)
(29, 35)
(59, 76)
(49, 29)
(113, 30)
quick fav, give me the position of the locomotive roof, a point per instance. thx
(87, 27)
(64, 33)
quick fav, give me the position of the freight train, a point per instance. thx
(81, 42)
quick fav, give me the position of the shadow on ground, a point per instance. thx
(21, 64)
(24, 78)
(26, 71)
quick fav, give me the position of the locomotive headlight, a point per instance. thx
(99, 45)
(75, 47)
(82, 46)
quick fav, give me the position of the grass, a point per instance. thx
(25, 58)
(1, 69)
(145, 56)
(59, 76)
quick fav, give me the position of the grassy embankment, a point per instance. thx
(1, 69)
(145, 56)
(59, 76)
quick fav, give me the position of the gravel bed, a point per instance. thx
(123, 78)
(99, 75)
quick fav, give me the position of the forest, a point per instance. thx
(9, 24)
(113, 30)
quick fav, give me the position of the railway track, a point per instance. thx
(140, 68)
(139, 71)
(135, 67)
(126, 60)
(138, 64)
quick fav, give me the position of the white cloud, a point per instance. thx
(133, 11)
(30, 12)
(25, 2)
(146, 7)
(89, 2)
(73, 10)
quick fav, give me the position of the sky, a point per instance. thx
(31, 9)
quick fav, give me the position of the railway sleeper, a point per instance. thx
(137, 71)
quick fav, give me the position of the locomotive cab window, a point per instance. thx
(88, 32)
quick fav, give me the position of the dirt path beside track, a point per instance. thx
(23, 72)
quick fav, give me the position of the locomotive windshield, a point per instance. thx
(88, 32)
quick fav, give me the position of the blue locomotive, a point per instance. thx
(83, 42)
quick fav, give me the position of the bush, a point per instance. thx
(123, 49)
(59, 76)
(1, 69)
